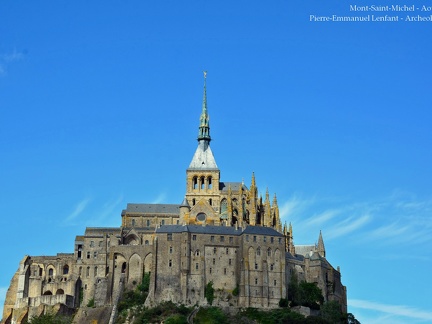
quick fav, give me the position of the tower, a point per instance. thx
(203, 174)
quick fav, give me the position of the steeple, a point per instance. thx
(320, 247)
(203, 158)
(204, 128)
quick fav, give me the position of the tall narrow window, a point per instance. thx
(210, 185)
(195, 183)
(202, 180)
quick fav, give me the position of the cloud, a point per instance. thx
(79, 208)
(391, 310)
(12, 56)
(109, 209)
(8, 58)
(159, 199)
(347, 226)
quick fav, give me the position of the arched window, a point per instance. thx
(195, 183)
(88, 271)
(65, 269)
(133, 222)
(146, 242)
(210, 184)
(259, 251)
(193, 202)
(60, 292)
(50, 272)
(202, 180)
(269, 252)
(210, 201)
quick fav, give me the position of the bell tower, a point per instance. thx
(203, 174)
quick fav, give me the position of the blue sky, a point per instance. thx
(100, 103)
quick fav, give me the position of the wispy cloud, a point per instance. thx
(79, 208)
(159, 199)
(108, 211)
(347, 226)
(8, 58)
(392, 310)
(399, 218)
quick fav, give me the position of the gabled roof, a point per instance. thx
(153, 208)
(219, 230)
(260, 230)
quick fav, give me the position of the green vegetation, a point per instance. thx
(91, 303)
(50, 318)
(166, 312)
(211, 315)
(209, 292)
(236, 291)
(304, 293)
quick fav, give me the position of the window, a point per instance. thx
(196, 266)
(210, 270)
(227, 250)
(95, 271)
(256, 266)
(91, 243)
(195, 183)
(254, 238)
(163, 222)
(148, 222)
(280, 240)
(146, 242)
(50, 272)
(275, 282)
(169, 237)
(222, 238)
(247, 238)
(269, 252)
(265, 239)
(231, 239)
(193, 237)
(210, 183)
(170, 263)
(133, 222)
(193, 202)
(229, 261)
(212, 238)
(259, 251)
(66, 269)
(94, 255)
(214, 261)
(271, 239)
(202, 183)
(256, 281)
(214, 250)
(88, 255)
(271, 267)
(224, 271)
(88, 271)
(197, 253)
(210, 201)
(170, 249)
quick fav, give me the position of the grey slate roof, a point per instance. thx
(304, 249)
(218, 230)
(154, 208)
(203, 158)
(260, 230)
(235, 186)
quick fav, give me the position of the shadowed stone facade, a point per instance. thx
(222, 232)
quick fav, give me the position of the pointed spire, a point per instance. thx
(274, 201)
(253, 184)
(204, 128)
(320, 247)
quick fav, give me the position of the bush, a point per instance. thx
(50, 318)
(210, 315)
(209, 292)
(91, 303)
(236, 291)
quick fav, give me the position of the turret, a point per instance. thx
(320, 247)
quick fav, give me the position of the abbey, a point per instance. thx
(222, 232)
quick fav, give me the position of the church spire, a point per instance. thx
(320, 247)
(204, 128)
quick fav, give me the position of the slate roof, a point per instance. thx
(218, 230)
(304, 249)
(203, 158)
(154, 208)
(235, 186)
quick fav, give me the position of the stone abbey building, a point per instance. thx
(222, 232)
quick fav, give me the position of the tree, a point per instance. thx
(331, 311)
(310, 295)
(50, 318)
